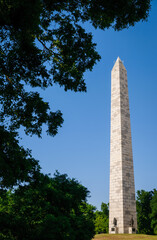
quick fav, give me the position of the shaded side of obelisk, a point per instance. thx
(122, 204)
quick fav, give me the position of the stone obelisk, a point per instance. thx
(122, 204)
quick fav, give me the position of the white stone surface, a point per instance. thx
(122, 204)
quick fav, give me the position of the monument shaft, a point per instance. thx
(122, 204)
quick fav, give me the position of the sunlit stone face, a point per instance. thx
(122, 204)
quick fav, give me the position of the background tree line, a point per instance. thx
(57, 208)
(146, 205)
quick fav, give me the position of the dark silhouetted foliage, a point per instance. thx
(46, 209)
(153, 214)
(42, 43)
(16, 163)
(143, 211)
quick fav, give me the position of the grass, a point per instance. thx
(124, 237)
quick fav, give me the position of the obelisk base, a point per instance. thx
(132, 230)
(114, 230)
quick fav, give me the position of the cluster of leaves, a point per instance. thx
(43, 42)
(102, 219)
(153, 214)
(16, 164)
(47, 208)
(147, 212)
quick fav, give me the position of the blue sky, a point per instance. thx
(82, 147)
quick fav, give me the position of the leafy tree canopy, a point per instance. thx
(153, 214)
(45, 209)
(102, 219)
(16, 164)
(105, 209)
(143, 211)
(42, 43)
